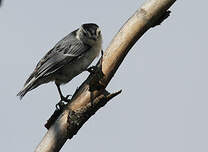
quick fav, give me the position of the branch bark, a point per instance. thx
(67, 122)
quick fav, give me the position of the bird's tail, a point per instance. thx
(27, 87)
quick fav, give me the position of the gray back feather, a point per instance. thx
(64, 52)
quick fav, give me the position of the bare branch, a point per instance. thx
(75, 114)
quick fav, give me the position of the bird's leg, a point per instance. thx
(61, 95)
(61, 104)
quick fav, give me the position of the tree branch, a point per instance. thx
(66, 123)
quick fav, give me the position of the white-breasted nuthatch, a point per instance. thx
(68, 58)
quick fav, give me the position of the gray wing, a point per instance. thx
(64, 52)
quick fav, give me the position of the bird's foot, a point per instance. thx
(60, 105)
(92, 69)
(65, 99)
(96, 70)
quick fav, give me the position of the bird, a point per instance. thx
(68, 58)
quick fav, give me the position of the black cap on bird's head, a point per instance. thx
(91, 27)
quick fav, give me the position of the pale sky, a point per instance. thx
(163, 106)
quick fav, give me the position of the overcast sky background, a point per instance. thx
(163, 106)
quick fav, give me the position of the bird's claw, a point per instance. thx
(61, 103)
(65, 99)
(92, 69)
(96, 71)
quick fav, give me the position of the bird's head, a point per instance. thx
(89, 33)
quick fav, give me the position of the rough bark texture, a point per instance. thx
(66, 123)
